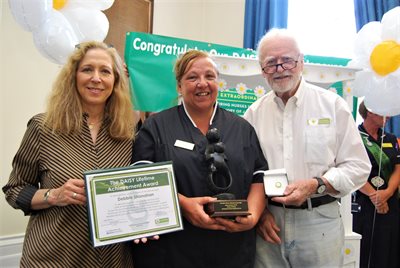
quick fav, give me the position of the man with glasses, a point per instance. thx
(310, 132)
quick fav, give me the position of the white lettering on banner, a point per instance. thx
(157, 49)
(247, 56)
(214, 52)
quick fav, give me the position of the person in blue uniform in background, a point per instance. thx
(378, 220)
(179, 134)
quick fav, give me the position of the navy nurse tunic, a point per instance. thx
(385, 248)
(197, 247)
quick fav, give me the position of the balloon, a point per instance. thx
(87, 24)
(385, 101)
(385, 58)
(56, 39)
(59, 4)
(367, 38)
(377, 52)
(391, 25)
(58, 25)
(30, 14)
(106, 4)
(93, 4)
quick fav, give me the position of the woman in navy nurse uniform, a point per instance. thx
(179, 134)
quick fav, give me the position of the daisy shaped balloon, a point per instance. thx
(58, 26)
(377, 53)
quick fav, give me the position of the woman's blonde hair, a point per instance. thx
(64, 108)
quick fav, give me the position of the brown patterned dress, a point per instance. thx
(59, 236)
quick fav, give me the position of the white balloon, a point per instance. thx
(381, 93)
(106, 4)
(391, 25)
(30, 14)
(366, 40)
(87, 24)
(56, 39)
(384, 96)
(360, 83)
(94, 4)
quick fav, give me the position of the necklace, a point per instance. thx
(92, 125)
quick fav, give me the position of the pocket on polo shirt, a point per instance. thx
(319, 144)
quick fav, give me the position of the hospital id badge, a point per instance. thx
(275, 182)
(377, 181)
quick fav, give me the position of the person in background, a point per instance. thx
(310, 132)
(89, 124)
(178, 134)
(378, 220)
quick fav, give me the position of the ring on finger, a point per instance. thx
(74, 195)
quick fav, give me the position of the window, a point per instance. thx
(323, 28)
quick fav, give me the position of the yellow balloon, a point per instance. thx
(59, 4)
(385, 58)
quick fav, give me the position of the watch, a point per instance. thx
(321, 189)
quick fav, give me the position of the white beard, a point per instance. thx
(285, 87)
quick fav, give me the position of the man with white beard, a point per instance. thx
(310, 132)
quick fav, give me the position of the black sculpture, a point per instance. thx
(219, 176)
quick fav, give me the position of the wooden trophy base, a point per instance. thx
(227, 208)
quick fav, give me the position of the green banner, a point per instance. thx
(151, 58)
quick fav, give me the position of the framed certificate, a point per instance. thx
(132, 202)
(275, 182)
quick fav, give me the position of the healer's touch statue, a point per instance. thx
(220, 180)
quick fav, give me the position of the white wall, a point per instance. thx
(26, 76)
(329, 32)
(214, 21)
(25, 80)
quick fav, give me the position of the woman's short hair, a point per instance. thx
(362, 110)
(185, 61)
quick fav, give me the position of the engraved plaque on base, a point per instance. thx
(228, 208)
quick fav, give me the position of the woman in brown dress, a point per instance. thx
(89, 124)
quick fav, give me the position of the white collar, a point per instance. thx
(191, 120)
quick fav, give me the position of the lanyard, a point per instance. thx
(377, 152)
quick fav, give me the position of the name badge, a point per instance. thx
(184, 144)
(377, 181)
(319, 121)
(387, 145)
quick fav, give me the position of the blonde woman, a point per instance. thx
(89, 124)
